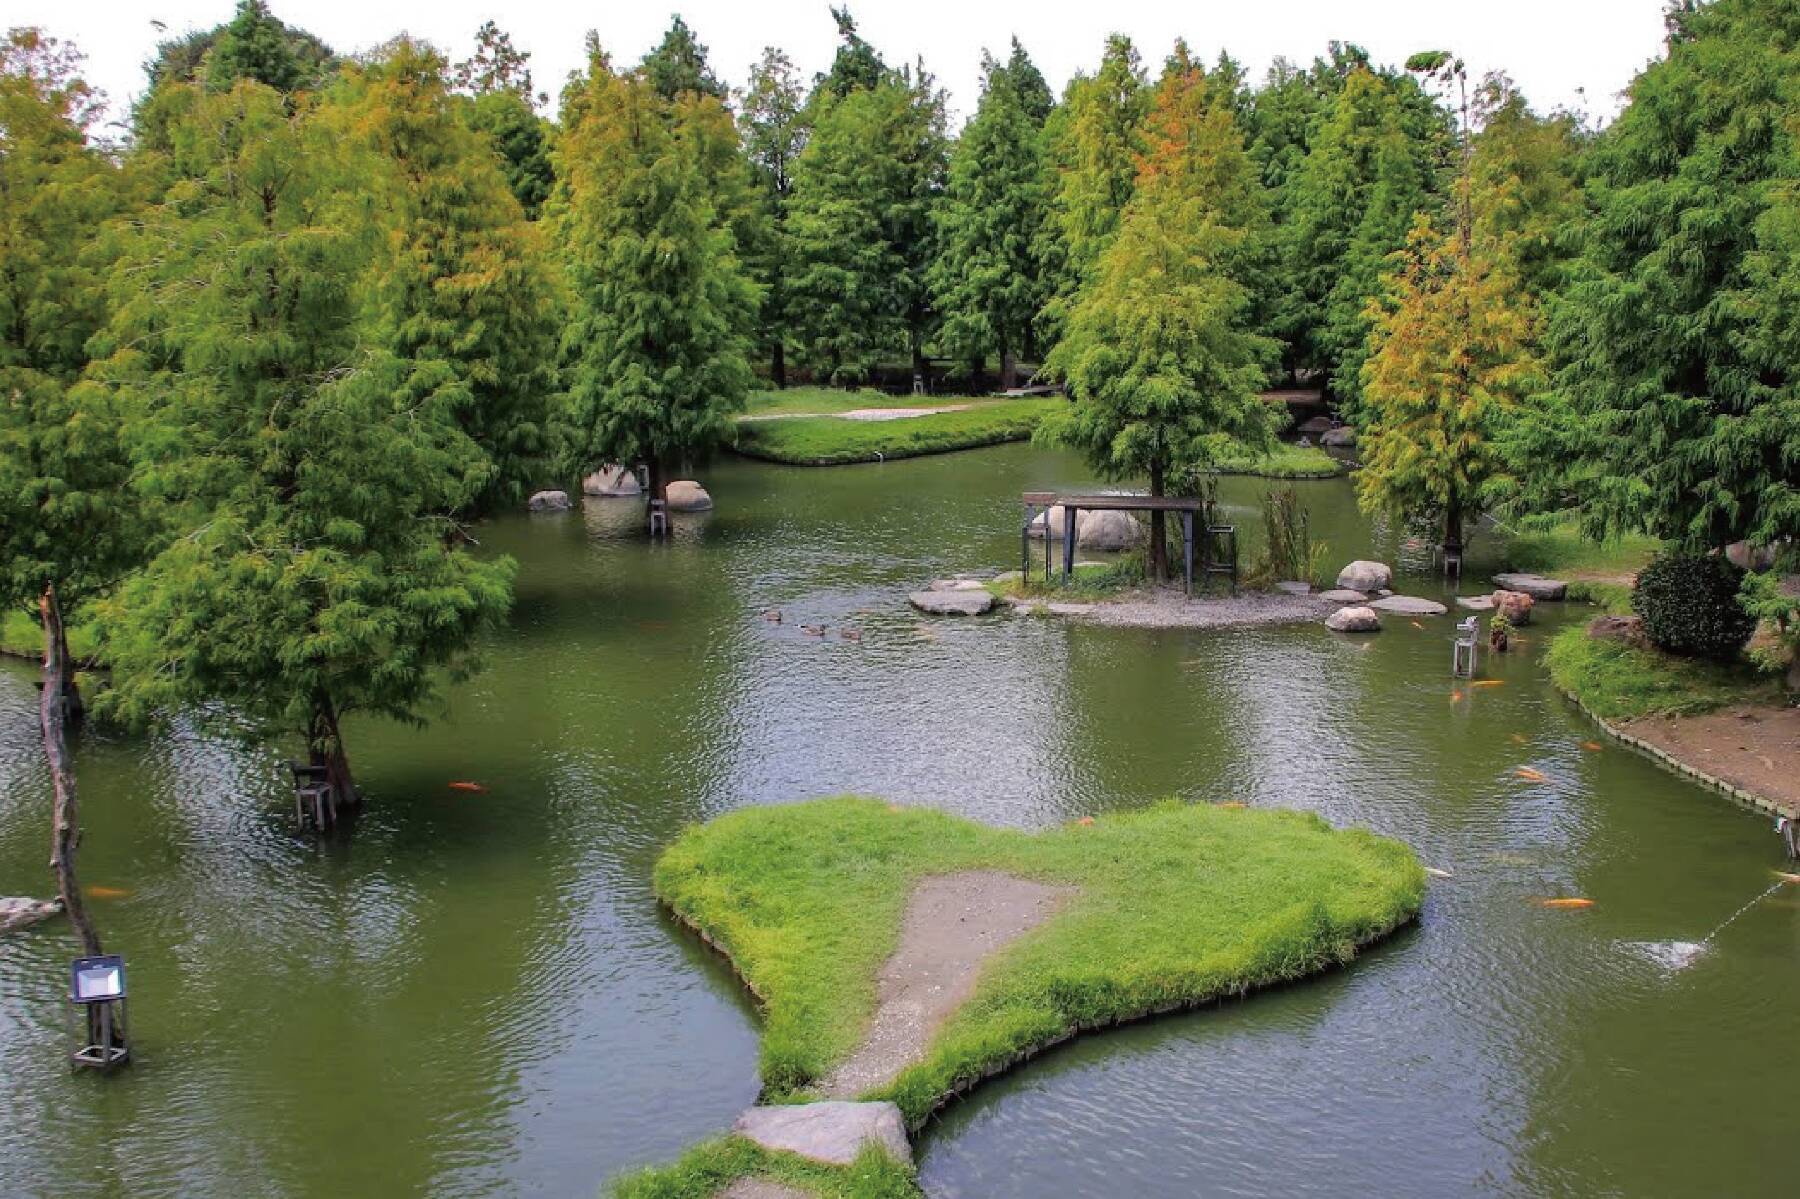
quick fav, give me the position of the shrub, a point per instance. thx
(1690, 606)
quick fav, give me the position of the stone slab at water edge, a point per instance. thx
(1343, 595)
(952, 602)
(1536, 586)
(1365, 576)
(1408, 605)
(834, 1131)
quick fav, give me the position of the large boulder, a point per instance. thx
(1629, 629)
(549, 501)
(612, 482)
(1108, 529)
(952, 603)
(1536, 586)
(1514, 605)
(1354, 620)
(1341, 438)
(685, 495)
(1745, 556)
(1408, 605)
(1051, 519)
(834, 1131)
(1365, 576)
(1315, 426)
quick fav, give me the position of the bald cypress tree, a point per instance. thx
(656, 343)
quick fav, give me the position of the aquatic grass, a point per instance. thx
(1616, 680)
(706, 1169)
(836, 441)
(1178, 905)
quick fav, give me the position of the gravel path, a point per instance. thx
(1168, 608)
(953, 923)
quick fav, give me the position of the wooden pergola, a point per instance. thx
(1074, 505)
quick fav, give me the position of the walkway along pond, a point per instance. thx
(477, 994)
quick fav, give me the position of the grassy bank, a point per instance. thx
(707, 1169)
(21, 636)
(1619, 681)
(1287, 462)
(835, 441)
(1090, 581)
(1565, 553)
(1178, 905)
(793, 401)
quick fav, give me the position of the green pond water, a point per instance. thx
(475, 994)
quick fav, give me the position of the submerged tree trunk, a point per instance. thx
(65, 821)
(325, 748)
(1159, 542)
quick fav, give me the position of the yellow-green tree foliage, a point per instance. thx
(1449, 356)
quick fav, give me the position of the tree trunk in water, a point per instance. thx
(325, 747)
(1009, 366)
(73, 709)
(1159, 542)
(66, 817)
(1453, 527)
(656, 485)
(778, 366)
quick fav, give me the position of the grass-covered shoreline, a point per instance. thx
(836, 441)
(1286, 462)
(1616, 680)
(707, 1169)
(1178, 905)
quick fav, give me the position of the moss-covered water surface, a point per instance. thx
(476, 994)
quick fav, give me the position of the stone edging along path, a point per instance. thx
(1741, 795)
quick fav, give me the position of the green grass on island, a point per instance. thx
(1616, 680)
(828, 401)
(1286, 462)
(704, 1171)
(1178, 905)
(22, 636)
(836, 441)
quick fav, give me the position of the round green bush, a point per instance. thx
(1689, 603)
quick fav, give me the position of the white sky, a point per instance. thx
(1552, 48)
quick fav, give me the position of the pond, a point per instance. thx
(475, 993)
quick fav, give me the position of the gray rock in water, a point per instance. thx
(1108, 529)
(1514, 605)
(1340, 438)
(762, 1188)
(952, 603)
(834, 1131)
(1476, 603)
(1408, 605)
(549, 501)
(1053, 519)
(685, 495)
(1354, 620)
(957, 585)
(17, 913)
(1295, 587)
(1343, 595)
(1315, 426)
(1536, 586)
(1365, 576)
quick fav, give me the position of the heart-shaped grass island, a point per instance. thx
(901, 955)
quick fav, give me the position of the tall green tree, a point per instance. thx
(504, 108)
(460, 280)
(773, 130)
(987, 278)
(678, 64)
(68, 530)
(254, 44)
(496, 66)
(321, 575)
(862, 221)
(655, 348)
(1163, 367)
(1676, 405)
(1095, 139)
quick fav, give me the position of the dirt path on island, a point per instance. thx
(953, 924)
(1755, 748)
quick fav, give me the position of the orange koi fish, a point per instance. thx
(1592, 747)
(1456, 697)
(1785, 877)
(1518, 738)
(1085, 820)
(475, 788)
(1530, 775)
(105, 892)
(1415, 624)
(1570, 904)
(1488, 683)
(1234, 803)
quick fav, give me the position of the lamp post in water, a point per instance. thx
(97, 988)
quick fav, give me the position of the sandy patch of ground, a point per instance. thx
(1168, 608)
(953, 923)
(898, 413)
(1756, 748)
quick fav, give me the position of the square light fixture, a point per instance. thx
(97, 980)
